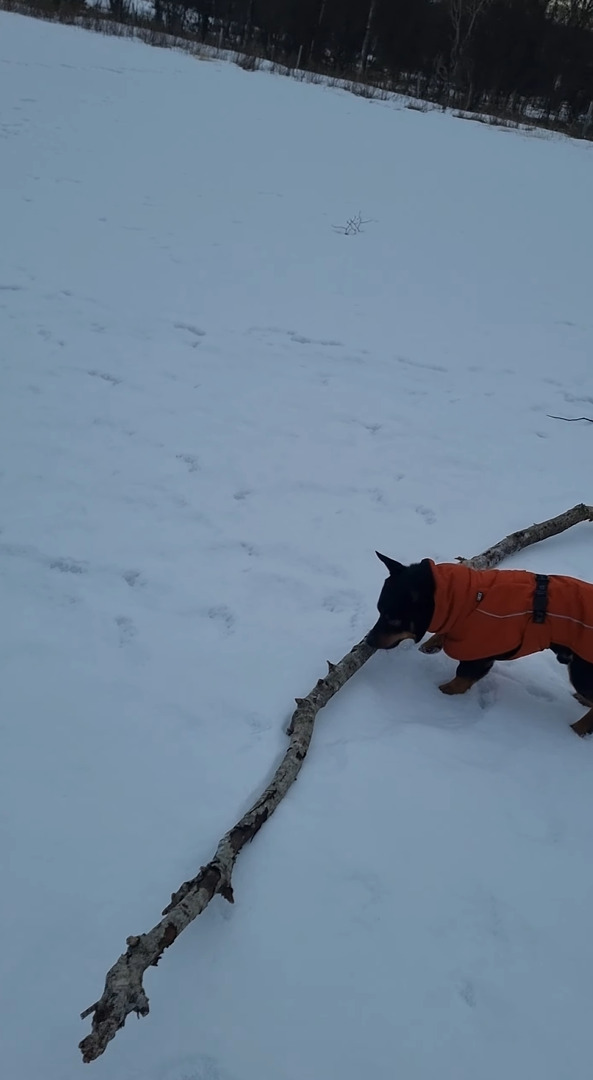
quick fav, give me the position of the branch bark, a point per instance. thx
(532, 535)
(124, 992)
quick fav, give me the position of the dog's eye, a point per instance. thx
(395, 623)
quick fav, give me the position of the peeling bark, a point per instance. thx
(124, 993)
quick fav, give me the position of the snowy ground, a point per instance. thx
(213, 408)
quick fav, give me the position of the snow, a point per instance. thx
(213, 408)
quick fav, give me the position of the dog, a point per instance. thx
(480, 616)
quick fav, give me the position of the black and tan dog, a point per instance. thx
(479, 616)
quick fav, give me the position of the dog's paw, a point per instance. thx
(433, 645)
(457, 685)
(584, 726)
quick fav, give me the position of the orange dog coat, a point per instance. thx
(485, 613)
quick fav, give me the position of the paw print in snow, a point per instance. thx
(193, 465)
(428, 514)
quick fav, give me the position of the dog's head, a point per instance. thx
(398, 606)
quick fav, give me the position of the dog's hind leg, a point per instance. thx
(468, 672)
(581, 677)
(458, 685)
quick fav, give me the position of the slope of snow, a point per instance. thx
(213, 408)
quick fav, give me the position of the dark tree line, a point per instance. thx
(526, 60)
(515, 57)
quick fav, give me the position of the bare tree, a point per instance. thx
(577, 13)
(366, 41)
(318, 24)
(464, 15)
(248, 28)
(120, 9)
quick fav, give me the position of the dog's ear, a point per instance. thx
(391, 564)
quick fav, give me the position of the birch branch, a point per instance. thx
(532, 535)
(124, 992)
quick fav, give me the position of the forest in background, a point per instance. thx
(526, 61)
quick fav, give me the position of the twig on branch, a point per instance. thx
(124, 991)
(570, 419)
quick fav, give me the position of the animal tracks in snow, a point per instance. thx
(467, 992)
(578, 399)
(487, 693)
(68, 566)
(426, 513)
(105, 376)
(61, 563)
(191, 460)
(294, 336)
(195, 333)
(420, 365)
(539, 692)
(133, 578)
(222, 616)
(64, 564)
(194, 1067)
(341, 601)
(344, 600)
(126, 629)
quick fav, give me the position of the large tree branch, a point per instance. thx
(531, 535)
(124, 991)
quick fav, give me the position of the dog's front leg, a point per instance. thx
(434, 644)
(584, 726)
(468, 672)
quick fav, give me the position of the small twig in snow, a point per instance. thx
(570, 419)
(353, 225)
